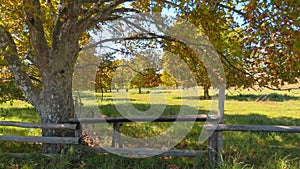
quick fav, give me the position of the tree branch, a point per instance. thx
(96, 15)
(224, 59)
(37, 34)
(231, 66)
(233, 9)
(67, 16)
(86, 22)
(282, 89)
(105, 66)
(141, 37)
(124, 10)
(10, 52)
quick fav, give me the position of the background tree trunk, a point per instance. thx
(206, 92)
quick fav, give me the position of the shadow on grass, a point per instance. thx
(188, 98)
(212, 97)
(258, 97)
(249, 97)
(260, 119)
(115, 99)
(110, 110)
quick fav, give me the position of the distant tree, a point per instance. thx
(122, 75)
(146, 78)
(167, 80)
(105, 72)
(178, 69)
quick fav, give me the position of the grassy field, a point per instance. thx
(240, 150)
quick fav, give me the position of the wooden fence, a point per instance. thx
(213, 147)
(74, 124)
(40, 139)
(141, 151)
(214, 142)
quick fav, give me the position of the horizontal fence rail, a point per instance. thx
(145, 151)
(42, 139)
(39, 125)
(74, 124)
(253, 128)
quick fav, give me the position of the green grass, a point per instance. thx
(240, 149)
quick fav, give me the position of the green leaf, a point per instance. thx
(297, 45)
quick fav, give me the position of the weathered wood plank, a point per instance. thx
(16, 155)
(219, 137)
(253, 128)
(215, 141)
(116, 136)
(25, 155)
(39, 139)
(145, 151)
(39, 125)
(182, 118)
(212, 148)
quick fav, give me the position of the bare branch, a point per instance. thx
(10, 52)
(135, 25)
(125, 10)
(282, 89)
(141, 37)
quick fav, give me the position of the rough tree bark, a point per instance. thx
(55, 101)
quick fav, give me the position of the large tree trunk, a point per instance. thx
(56, 106)
(55, 100)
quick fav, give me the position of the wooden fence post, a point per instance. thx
(117, 135)
(215, 141)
